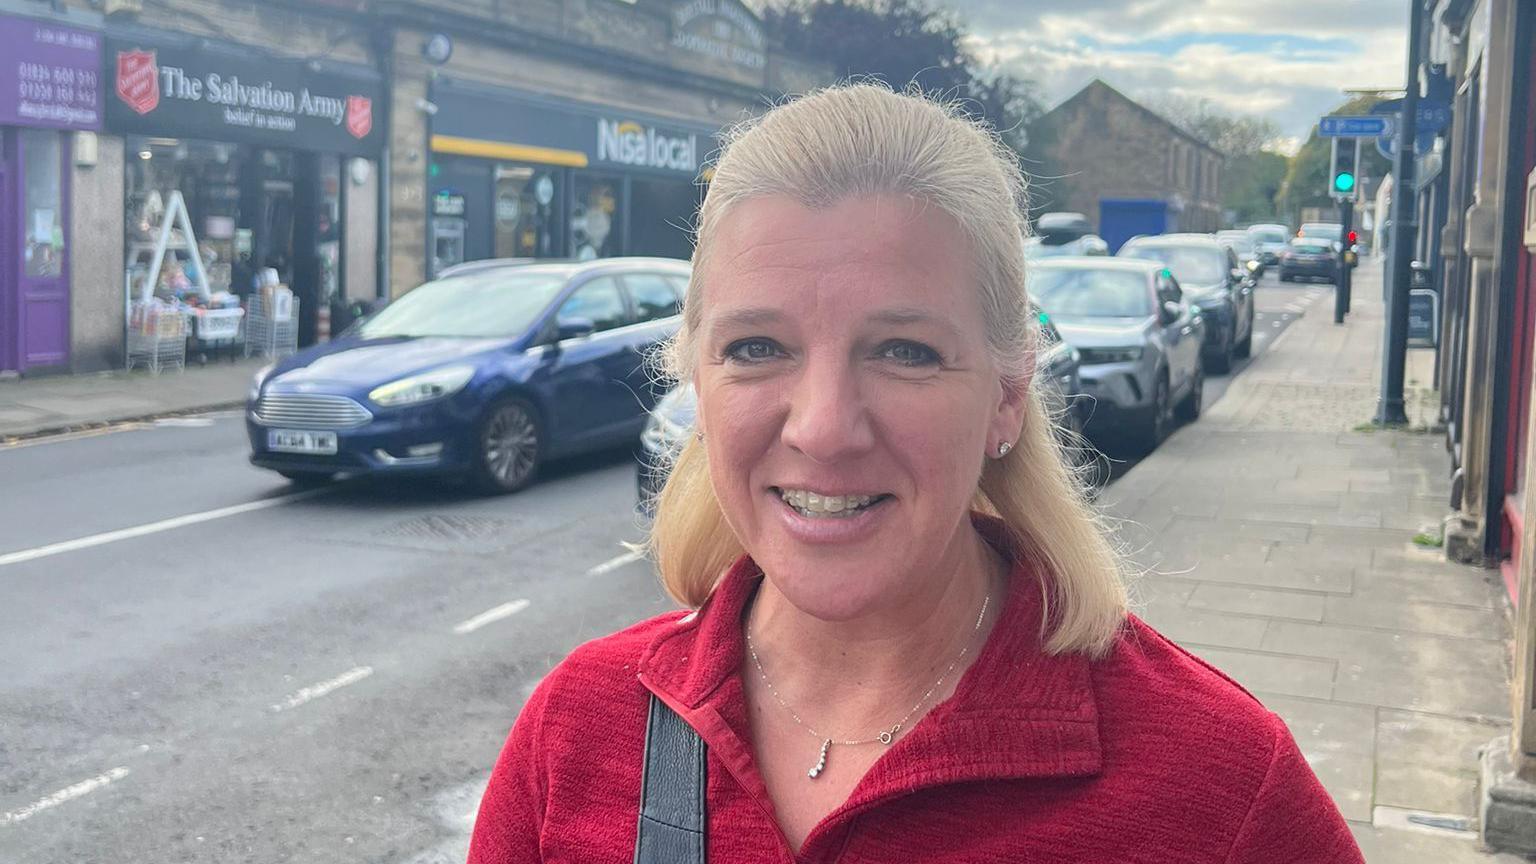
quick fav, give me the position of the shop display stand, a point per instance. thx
(149, 328)
(266, 334)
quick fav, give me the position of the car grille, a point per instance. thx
(310, 411)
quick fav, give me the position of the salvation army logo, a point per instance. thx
(359, 116)
(138, 80)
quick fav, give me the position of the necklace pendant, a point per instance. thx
(821, 762)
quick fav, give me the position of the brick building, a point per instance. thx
(1101, 145)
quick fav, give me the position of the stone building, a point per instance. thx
(1102, 146)
(564, 128)
(347, 148)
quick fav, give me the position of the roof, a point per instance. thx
(1095, 262)
(564, 267)
(1098, 83)
(1173, 240)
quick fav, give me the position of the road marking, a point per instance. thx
(69, 793)
(24, 555)
(615, 563)
(351, 676)
(489, 616)
(1296, 307)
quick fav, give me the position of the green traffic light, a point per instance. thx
(1343, 181)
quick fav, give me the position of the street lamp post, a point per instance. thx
(1390, 409)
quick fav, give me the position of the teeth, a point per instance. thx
(812, 504)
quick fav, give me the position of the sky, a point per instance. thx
(1288, 61)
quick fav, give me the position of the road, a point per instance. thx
(205, 665)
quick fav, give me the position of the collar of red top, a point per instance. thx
(1016, 713)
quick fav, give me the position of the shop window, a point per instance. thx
(600, 302)
(42, 197)
(662, 213)
(596, 218)
(527, 211)
(654, 297)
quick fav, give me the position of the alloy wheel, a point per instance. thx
(511, 446)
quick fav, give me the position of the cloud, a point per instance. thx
(1286, 61)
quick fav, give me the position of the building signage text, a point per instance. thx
(629, 143)
(50, 75)
(723, 29)
(166, 91)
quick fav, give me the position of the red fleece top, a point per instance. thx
(1148, 755)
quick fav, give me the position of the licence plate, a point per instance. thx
(294, 441)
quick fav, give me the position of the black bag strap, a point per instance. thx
(672, 791)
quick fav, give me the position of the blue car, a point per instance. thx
(484, 375)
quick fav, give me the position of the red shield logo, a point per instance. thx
(359, 116)
(138, 80)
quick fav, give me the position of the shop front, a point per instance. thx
(237, 165)
(49, 77)
(517, 175)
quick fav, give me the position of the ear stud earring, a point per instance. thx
(1002, 449)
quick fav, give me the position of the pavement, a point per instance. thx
(1276, 539)
(63, 403)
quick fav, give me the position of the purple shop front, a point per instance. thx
(50, 85)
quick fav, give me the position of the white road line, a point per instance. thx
(615, 563)
(1295, 307)
(505, 610)
(171, 524)
(84, 787)
(351, 676)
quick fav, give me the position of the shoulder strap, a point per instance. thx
(671, 791)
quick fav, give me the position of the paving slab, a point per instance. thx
(1244, 600)
(1272, 673)
(1414, 617)
(1339, 742)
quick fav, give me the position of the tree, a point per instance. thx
(1254, 171)
(1306, 183)
(904, 42)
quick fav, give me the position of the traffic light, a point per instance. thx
(1353, 237)
(1342, 168)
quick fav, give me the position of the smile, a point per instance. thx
(816, 506)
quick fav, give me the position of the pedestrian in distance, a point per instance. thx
(906, 636)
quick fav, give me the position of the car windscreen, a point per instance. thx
(1311, 247)
(1239, 242)
(1326, 230)
(498, 303)
(1268, 235)
(1192, 265)
(1065, 291)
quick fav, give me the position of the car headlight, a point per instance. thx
(259, 379)
(422, 388)
(1128, 354)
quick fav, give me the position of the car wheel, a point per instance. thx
(1192, 403)
(307, 478)
(1221, 361)
(1158, 424)
(509, 447)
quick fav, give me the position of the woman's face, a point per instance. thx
(847, 396)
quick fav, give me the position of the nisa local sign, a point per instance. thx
(629, 143)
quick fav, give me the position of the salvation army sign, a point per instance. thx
(169, 89)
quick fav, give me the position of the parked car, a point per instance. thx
(1138, 342)
(1063, 234)
(1309, 258)
(1270, 239)
(1333, 232)
(1211, 279)
(1245, 249)
(671, 421)
(484, 375)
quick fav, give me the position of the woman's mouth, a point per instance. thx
(812, 505)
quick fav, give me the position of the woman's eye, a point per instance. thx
(910, 354)
(752, 350)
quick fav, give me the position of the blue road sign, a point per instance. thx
(1432, 115)
(1355, 126)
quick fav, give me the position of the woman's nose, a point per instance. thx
(828, 419)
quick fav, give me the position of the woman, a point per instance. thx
(918, 649)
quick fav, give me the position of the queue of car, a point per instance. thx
(495, 366)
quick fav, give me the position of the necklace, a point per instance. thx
(886, 736)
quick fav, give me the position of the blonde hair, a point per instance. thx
(863, 139)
